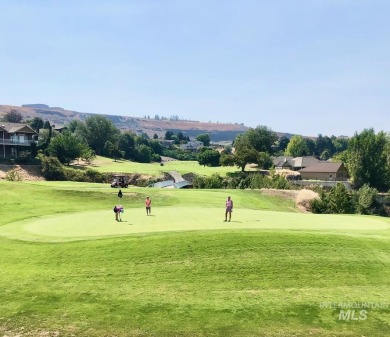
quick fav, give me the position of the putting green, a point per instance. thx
(101, 223)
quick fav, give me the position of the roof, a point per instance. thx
(323, 167)
(305, 161)
(278, 161)
(16, 127)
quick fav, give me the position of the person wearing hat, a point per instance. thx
(148, 205)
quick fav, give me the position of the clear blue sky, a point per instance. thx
(298, 66)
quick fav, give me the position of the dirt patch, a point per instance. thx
(301, 198)
(25, 172)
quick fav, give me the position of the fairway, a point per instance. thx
(101, 223)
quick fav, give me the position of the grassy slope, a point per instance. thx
(225, 283)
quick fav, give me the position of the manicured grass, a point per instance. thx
(256, 278)
(103, 164)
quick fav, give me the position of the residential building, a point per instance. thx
(15, 138)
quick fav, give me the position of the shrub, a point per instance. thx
(52, 169)
(13, 175)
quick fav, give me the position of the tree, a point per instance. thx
(324, 143)
(244, 152)
(340, 144)
(156, 147)
(36, 123)
(112, 150)
(311, 146)
(226, 160)
(262, 139)
(168, 135)
(209, 157)
(339, 200)
(98, 130)
(127, 144)
(66, 147)
(297, 147)
(204, 138)
(155, 136)
(264, 161)
(143, 153)
(367, 159)
(14, 116)
(282, 143)
(76, 126)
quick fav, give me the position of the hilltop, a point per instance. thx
(61, 117)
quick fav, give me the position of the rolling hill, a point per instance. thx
(61, 117)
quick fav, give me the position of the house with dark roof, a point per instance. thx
(325, 171)
(15, 138)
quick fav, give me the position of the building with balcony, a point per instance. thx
(15, 138)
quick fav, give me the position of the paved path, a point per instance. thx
(176, 176)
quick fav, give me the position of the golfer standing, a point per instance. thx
(229, 209)
(148, 205)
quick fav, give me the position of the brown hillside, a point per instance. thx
(61, 117)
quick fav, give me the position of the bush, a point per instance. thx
(52, 169)
(367, 200)
(13, 175)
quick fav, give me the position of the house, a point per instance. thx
(325, 171)
(193, 145)
(166, 143)
(15, 138)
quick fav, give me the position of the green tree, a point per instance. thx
(98, 130)
(112, 150)
(66, 147)
(264, 160)
(367, 200)
(282, 143)
(143, 153)
(226, 160)
(36, 123)
(127, 144)
(297, 147)
(209, 157)
(262, 139)
(367, 159)
(311, 146)
(339, 200)
(13, 116)
(340, 144)
(168, 135)
(244, 152)
(204, 138)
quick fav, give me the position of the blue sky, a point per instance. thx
(298, 66)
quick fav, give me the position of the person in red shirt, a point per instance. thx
(229, 209)
(148, 204)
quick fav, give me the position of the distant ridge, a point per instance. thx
(61, 117)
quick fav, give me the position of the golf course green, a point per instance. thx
(69, 269)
